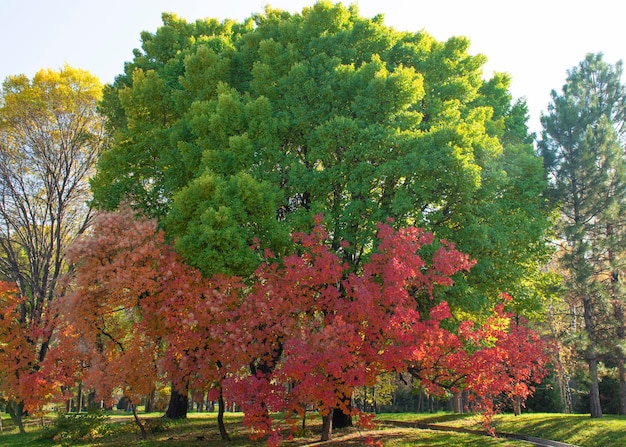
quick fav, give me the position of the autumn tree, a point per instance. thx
(50, 137)
(583, 148)
(314, 344)
(139, 315)
(194, 317)
(115, 268)
(16, 359)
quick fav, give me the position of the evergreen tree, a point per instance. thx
(583, 149)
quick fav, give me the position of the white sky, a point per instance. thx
(535, 41)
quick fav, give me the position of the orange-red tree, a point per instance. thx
(303, 331)
(190, 315)
(138, 314)
(314, 331)
(115, 268)
(28, 382)
(20, 385)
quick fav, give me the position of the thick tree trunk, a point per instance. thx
(341, 419)
(457, 402)
(16, 410)
(594, 390)
(622, 386)
(220, 418)
(327, 426)
(177, 408)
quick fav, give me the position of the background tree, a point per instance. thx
(115, 269)
(140, 315)
(583, 148)
(50, 137)
(15, 357)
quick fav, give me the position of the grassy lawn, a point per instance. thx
(577, 429)
(201, 430)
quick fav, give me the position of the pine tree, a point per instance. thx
(583, 149)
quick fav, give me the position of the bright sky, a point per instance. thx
(535, 41)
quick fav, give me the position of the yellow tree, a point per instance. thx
(50, 137)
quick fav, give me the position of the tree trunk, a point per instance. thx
(138, 422)
(341, 419)
(91, 400)
(457, 402)
(79, 399)
(517, 406)
(220, 418)
(15, 410)
(150, 402)
(177, 407)
(327, 426)
(594, 390)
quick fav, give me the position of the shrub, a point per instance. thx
(73, 427)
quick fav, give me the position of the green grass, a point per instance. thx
(201, 430)
(577, 429)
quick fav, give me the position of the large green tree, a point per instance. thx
(583, 148)
(252, 128)
(231, 132)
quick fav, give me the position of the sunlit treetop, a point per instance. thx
(230, 131)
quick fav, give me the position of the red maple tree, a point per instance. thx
(314, 331)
